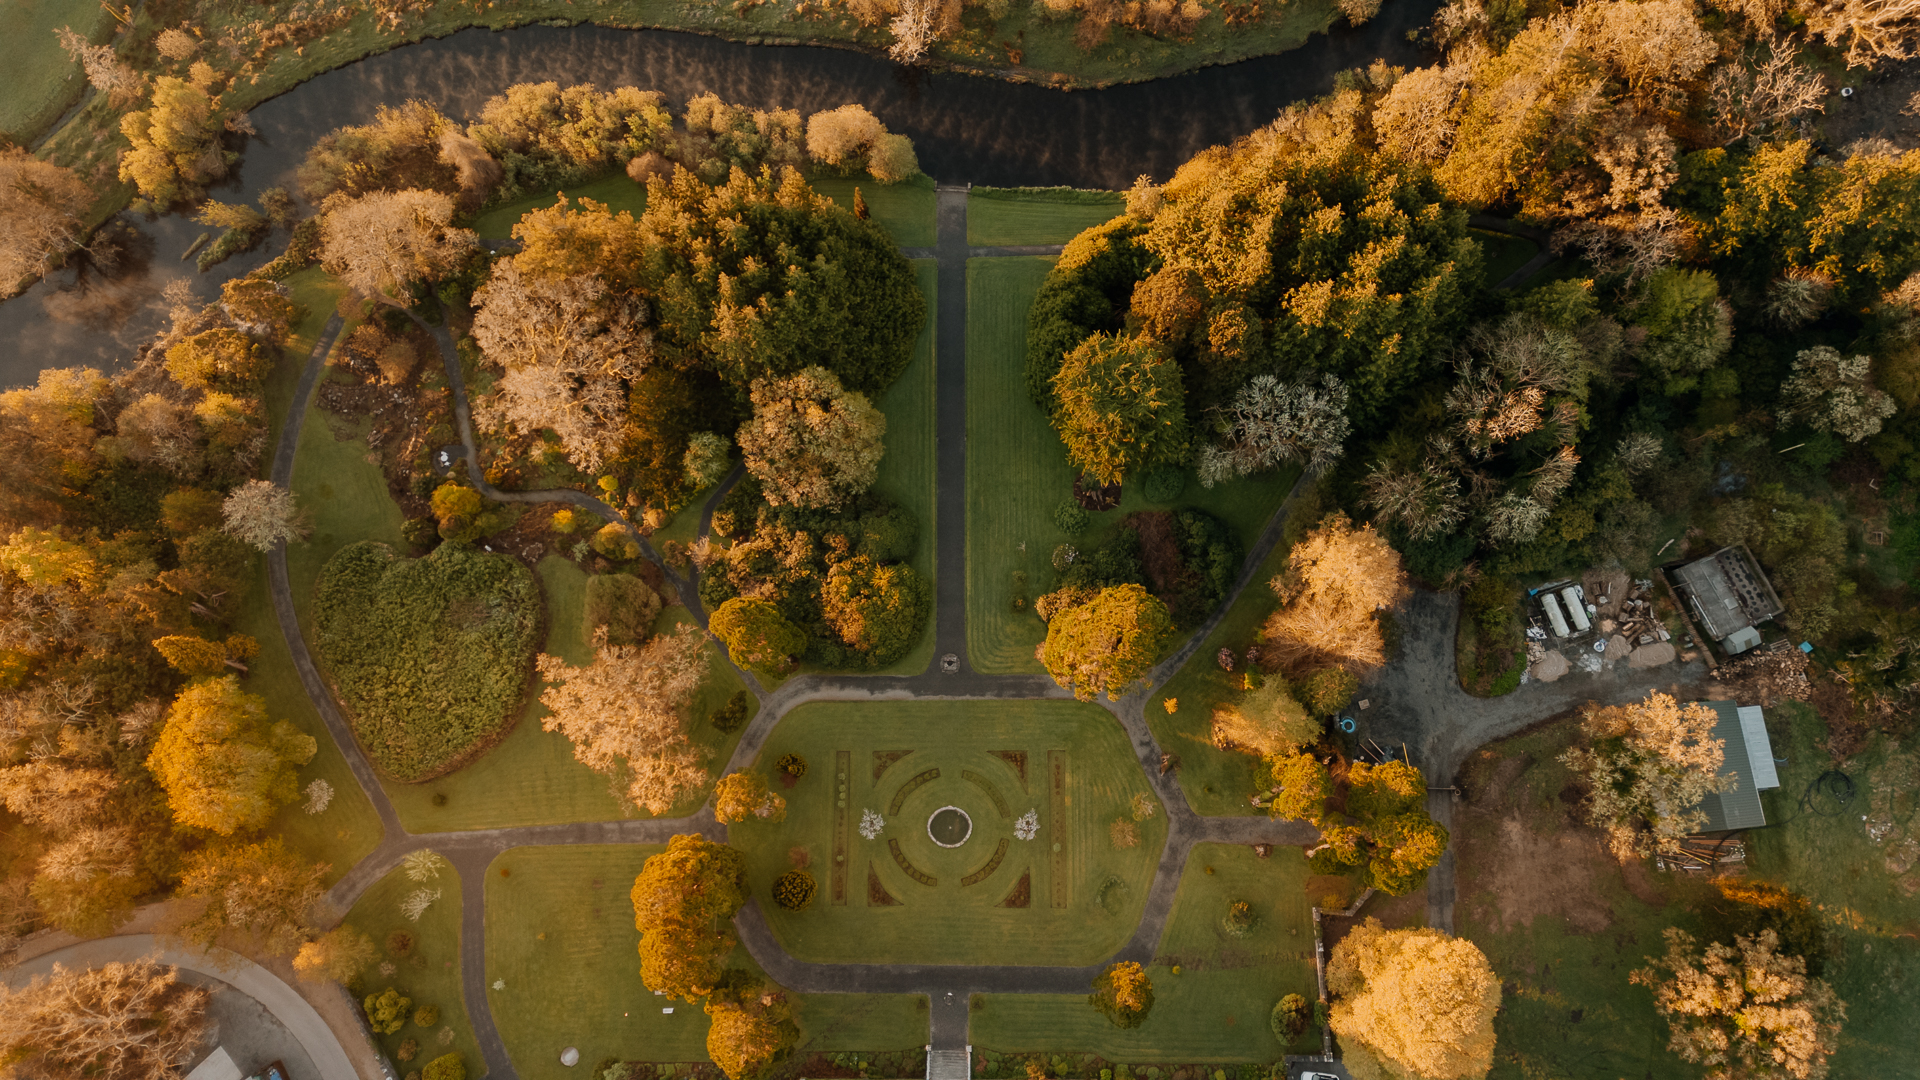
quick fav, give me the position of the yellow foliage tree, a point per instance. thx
(683, 905)
(745, 1036)
(1647, 768)
(1338, 578)
(224, 765)
(1412, 1004)
(626, 714)
(745, 794)
(1745, 1011)
(339, 954)
(176, 141)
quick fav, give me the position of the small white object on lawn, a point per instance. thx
(570, 1057)
(668, 1010)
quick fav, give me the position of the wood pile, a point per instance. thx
(1768, 676)
(1701, 853)
(1637, 618)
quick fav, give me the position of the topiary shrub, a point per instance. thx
(445, 1067)
(793, 765)
(387, 1011)
(426, 1016)
(1289, 1017)
(794, 889)
(623, 604)
(1165, 485)
(1328, 690)
(616, 543)
(1071, 517)
(732, 716)
(565, 521)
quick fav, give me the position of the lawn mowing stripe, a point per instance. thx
(1057, 767)
(993, 793)
(913, 871)
(843, 761)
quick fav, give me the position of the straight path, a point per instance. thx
(947, 986)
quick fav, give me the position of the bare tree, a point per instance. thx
(380, 244)
(913, 30)
(104, 70)
(1425, 501)
(1271, 422)
(1870, 29)
(626, 714)
(121, 1021)
(1765, 87)
(263, 514)
(40, 208)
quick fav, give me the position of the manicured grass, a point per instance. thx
(1018, 474)
(343, 833)
(1502, 253)
(1012, 216)
(1216, 1009)
(560, 935)
(614, 189)
(42, 80)
(948, 922)
(430, 975)
(904, 209)
(532, 777)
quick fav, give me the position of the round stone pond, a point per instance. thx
(949, 826)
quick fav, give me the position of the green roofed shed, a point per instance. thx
(1748, 760)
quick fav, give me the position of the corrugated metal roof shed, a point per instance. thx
(1728, 590)
(1748, 760)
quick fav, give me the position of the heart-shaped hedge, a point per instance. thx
(430, 656)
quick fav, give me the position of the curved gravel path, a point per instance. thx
(947, 986)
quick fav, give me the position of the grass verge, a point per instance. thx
(904, 209)
(429, 973)
(42, 80)
(560, 936)
(614, 189)
(1216, 1008)
(1082, 903)
(1013, 216)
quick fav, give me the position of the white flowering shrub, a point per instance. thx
(1027, 825)
(319, 796)
(871, 823)
(417, 902)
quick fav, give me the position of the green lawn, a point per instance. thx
(42, 80)
(1013, 216)
(1078, 912)
(1216, 1009)
(1503, 253)
(431, 974)
(1017, 474)
(905, 209)
(614, 189)
(560, 936)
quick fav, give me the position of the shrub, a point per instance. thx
(732, 716)
(623, 604)
(1240, 918)
(409, 1049)
(430, 656)
(793, 765)
(616, 543)
(1165, 484)
(1071, 518)
(400, 944)
(1289, 1017)
(565, 521)
(387, 1011)
(794, 889)
(445, 1067)
(1328, 690)
(426, 1016)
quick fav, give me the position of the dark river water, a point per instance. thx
(964, 128)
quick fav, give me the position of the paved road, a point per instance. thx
(281, 1001)
(948, 986)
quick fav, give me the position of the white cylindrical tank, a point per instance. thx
(1576, 610)
(1553, 615)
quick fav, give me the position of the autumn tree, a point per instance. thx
(40, 215)
(1872, 30)
(262, 514)
(683, 905)
(381, 244)
(1647, 766)
(570, 344)
(1121, 407)
(1267, 721)
(1297, 788)
(196, 656)
(626, 714)
(1835, 393)
(1386, 835)
(744, 794)
(1123, 993)
(876, 608)
(1271, 423)
(219, 359)
(225, 767)
(261, 309)
(105, 71)
(1337, 579)
(811, 443)
(750, 1026)
(123, 1019)
(850, 139)
(756, 635)
(1744, 1011)
(1412, 1004)
(1108, 644)
(339, 955)
(260, 892)
(176, 149)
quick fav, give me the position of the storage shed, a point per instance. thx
(1728, 593)
(1748, 761)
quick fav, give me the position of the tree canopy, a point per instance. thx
(224, 765)
(1744, 1011)
(683, 905)
(1107, 644)
(1412, 1004)
(1647, 766)
(626, 714)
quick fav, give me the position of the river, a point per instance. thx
(964, 128)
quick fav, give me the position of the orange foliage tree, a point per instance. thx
(1412, 1004)
(1338, 578)
(683, 905)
